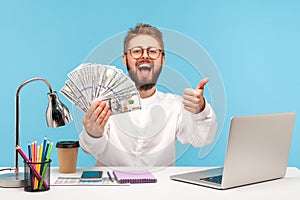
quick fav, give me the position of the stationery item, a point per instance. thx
(30, 165)
(34, 152)
(30, 158)
(103, 82)
(44, 149)
(66, 181)
(91, 176)
(50, 151)
(39, 184)
(109, 176)
(40, 158)
(37, 166)
(75, 181)
(45, 167)
(29, 151)
(134, 177)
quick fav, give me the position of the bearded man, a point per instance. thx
(147, 137)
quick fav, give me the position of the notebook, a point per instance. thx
(134, 177)
(257, 151)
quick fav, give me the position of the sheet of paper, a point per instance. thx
(75, 181)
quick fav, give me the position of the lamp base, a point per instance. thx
(12, 180)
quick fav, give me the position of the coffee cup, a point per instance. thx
(67, 156)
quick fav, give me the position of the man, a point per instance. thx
(147, 137)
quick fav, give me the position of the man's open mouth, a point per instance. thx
(144, 67)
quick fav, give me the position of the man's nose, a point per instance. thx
(145, 53)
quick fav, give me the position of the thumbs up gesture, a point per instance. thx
(193, 100)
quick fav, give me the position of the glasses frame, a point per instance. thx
(143, 49)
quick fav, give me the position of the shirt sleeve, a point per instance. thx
(91, 145)
(197, 129)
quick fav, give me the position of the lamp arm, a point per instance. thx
(31, 80)
(18, 111)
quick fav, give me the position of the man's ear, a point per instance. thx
(124, 60)
(163, 60)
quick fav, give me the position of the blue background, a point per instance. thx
(255, 45)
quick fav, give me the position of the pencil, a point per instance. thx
(35, 151)
(30, 158)
(29, 151)
(37, 166)
(32, 145)
(46, 165)
(50, 151)
(34, 159)
(44, 148)
(46, 151)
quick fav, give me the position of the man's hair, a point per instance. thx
(143, 29)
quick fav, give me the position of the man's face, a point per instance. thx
(144, 71)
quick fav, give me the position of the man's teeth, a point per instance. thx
(144, 67)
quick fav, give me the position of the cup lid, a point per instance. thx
(67, 144)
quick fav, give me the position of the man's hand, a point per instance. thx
(95, 119)
(193, 100)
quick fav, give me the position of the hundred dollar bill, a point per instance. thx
(124, 104)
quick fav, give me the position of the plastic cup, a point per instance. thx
(67, 156)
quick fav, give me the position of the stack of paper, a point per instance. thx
(103, 82)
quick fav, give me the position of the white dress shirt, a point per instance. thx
(147, 137)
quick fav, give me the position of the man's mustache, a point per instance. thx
(144, 61)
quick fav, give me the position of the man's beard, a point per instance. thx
(143, 85)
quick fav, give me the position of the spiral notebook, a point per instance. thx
(134, 177)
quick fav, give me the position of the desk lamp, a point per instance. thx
(57, 115)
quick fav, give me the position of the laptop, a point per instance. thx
(257, 151)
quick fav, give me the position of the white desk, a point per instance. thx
(286, 188)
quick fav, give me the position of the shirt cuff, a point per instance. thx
(204, 114)
(92, 140)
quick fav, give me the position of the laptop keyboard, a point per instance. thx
(214, 179)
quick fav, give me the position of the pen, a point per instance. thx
(39, 177)
(109, 176)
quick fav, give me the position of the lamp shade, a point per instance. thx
(57, 113)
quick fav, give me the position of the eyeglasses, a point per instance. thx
(152, 52)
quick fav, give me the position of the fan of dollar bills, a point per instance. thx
(107, 83)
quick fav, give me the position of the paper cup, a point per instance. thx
(67, 156)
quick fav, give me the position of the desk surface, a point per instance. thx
(286, 188)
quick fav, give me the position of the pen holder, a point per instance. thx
(37, 176)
